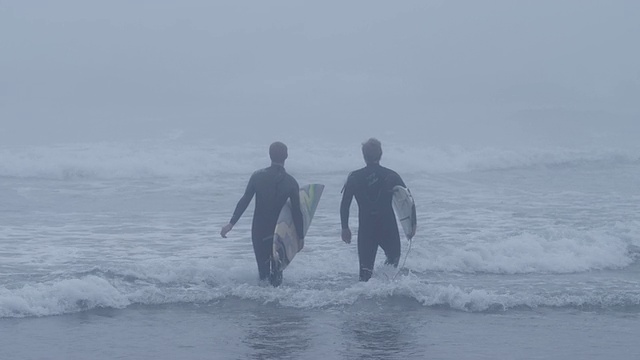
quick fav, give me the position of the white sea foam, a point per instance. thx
(553, 251)
(60, 297)
(89, 292)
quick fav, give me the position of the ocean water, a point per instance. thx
(112, 251)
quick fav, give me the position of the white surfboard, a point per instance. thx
(405, 209)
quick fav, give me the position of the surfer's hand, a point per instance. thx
(226, 229)
(346, 235)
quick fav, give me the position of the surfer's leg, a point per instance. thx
(390, 242)
(262, 248)
(367, 249)
(275, 277)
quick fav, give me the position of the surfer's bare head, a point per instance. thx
(372, 151)
(278, 152)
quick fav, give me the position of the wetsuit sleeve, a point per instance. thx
(296, 213)
(397, 180)
(244, 200)
(345, 204)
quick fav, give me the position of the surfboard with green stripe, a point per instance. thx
(285, 239)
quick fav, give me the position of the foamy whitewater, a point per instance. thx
(112, 250)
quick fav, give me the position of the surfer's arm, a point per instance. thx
(244, 201)
(415, 221)
(296, 212)
(345, 204)
(347, 197)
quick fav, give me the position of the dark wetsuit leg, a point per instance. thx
(367, 249)
(262, 248)
(389, 241)
(372, 235)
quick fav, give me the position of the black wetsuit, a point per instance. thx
(373, 188)
(272, 187)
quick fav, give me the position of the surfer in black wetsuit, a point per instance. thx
(372, 187)
(272, 187)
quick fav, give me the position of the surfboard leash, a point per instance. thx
(405, 259)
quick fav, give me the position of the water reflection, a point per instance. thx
(275, 333)
(378, 336)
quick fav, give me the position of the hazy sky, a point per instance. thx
(103, 70)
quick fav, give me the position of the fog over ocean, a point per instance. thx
(128, 132)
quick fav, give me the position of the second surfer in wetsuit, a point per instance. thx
(372, 187)
(272, 187)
